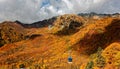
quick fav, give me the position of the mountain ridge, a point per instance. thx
(92, 43)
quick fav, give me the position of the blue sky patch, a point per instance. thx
(45, 3)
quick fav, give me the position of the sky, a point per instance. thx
(29, 11)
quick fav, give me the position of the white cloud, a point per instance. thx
(2, 0)
(29, 11)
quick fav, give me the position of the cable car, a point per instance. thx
(69, 59)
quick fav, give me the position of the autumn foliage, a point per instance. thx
(11, 32)
(112, 54)
(50, 47)
(95, 35)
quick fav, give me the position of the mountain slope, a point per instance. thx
(52, 51)
(11, 32)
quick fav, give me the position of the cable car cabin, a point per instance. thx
(70, 59)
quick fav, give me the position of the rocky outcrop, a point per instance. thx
(40, 24)
(67, 24)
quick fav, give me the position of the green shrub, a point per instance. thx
(90, 65)
(99, 60)
(22, 66)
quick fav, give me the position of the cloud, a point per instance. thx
(29, 11)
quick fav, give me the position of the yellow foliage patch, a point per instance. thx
(112, 54)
